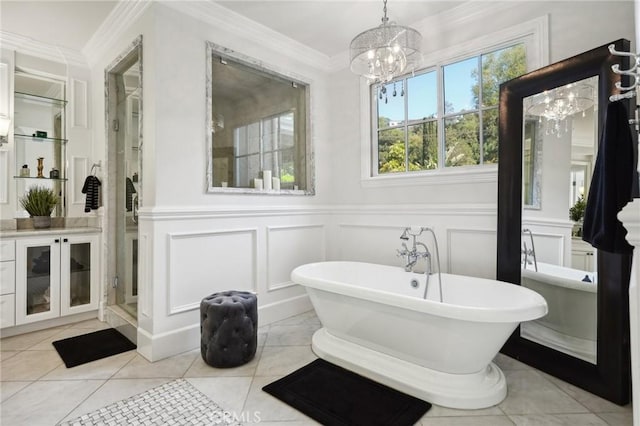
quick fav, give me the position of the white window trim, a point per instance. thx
(535, 34)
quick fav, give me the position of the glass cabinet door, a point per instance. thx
(37, 279)
(79, 268)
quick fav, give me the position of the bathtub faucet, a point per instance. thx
(413, 254)
(529, 252)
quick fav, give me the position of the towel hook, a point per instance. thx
(94, 167)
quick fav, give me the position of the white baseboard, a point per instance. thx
(155, 347)
(41, 325)
(283, 309)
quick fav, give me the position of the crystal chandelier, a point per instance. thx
(558, 104)
(383, 52)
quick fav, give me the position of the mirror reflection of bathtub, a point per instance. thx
(570, 325)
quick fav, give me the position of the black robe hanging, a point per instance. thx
(612, 184)
(92, 189)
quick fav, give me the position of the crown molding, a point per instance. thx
(40, 49)
(123, 15)
(220, 17)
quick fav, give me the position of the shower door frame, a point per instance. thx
(132, 54)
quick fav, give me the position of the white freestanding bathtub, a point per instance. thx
(571, 325)
(376, 323)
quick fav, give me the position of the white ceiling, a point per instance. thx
(62, 23)
(326, 26)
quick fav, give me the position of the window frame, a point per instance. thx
(534, 34)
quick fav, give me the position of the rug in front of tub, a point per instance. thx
(174, 403)
(335, 396)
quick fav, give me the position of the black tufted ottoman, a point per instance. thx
(228, 328)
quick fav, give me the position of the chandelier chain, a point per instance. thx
(384, 9)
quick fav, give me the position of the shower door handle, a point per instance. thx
(135, 210)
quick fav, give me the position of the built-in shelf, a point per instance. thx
(31, 138)
(40, 178)
(41, 99)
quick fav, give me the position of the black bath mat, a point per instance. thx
(93, 346)
(334, 396)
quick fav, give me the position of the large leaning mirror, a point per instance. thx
(551, 121)
(258, 127)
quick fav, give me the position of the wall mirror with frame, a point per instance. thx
(258, 127)
(584, 339)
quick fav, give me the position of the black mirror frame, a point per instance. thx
(610, 377)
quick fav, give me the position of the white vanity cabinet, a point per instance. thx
(7, 283)
(56, 275)
(582, 255)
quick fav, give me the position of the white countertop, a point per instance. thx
(13, 233)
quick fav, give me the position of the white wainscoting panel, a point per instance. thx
(79, 172)
(549, 247)
(369, 243)
(289, 247)
(144, 272)
(4, 177)
(79, 103)
(472, 252)
(202, 263)
(5, 93)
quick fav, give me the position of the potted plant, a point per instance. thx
(39, 202)
(576, 214)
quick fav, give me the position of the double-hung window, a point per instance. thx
(445, 116)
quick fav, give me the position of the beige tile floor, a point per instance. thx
(37, 389)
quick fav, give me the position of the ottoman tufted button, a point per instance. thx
(228, 324)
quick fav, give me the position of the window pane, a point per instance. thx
(498, 67)
(253, 138)
(287, 168)
(461, 86)
(253, 166)
(423, 146)
(528, 167)
(267, 162)
(422, 96)
(391, 151)
(462, 145)
(240, 140)
(242, 180)
(286, 131)
(269, 129)
(390, 105)
(490, 136)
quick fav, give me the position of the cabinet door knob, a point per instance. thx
(66, 240)
(56, 240)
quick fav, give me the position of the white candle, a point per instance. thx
(257, 184)
(266, 176)
(275, 183)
